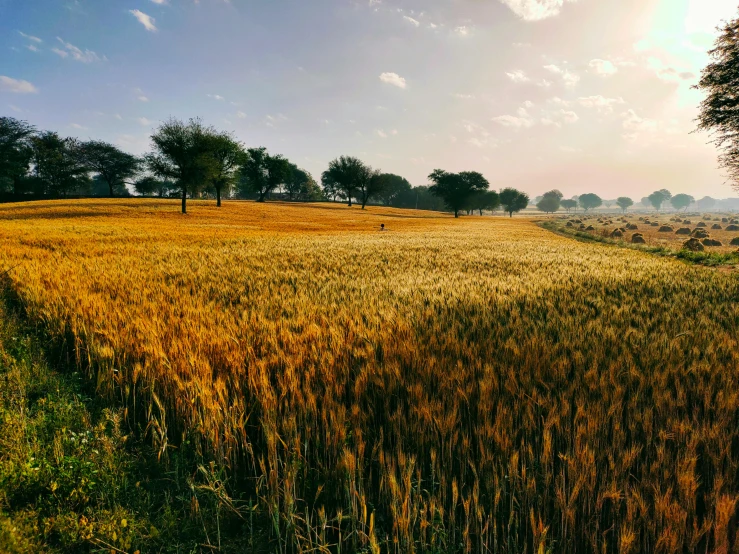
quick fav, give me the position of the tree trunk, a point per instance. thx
(510, 214)
(110, 186)
(184, 199)
(456, 213)
(364, 202)
(218, 197)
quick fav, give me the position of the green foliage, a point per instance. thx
(151, 186)
(659, 197)
(681, 201)
(706, 203)
(569, 204)
(550, 202)
(513, 201)
(394, 189)
(344, 177)
(58, 165)
(590, 201)
(114, 166)
(15, 152)
(225, 157)
(718, 111)
(456, 189)
(262, 173)
(624, 202)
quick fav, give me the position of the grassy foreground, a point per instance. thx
(480, 385)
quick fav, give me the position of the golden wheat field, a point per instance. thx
(471, 385)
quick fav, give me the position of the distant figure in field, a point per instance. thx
(382, 226)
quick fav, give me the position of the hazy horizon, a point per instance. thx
(580, 96)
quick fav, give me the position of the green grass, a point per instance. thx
(711, 259)
(74, 479)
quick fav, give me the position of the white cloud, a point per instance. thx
(513, 121)
(15, 108)
(535, 10)
(559, 118)
(241, 115)
(18, 86)
(632, 122)
(518, 76)
(601, 103)
(462, 30)
(570, 79)
(146, 20)
(77, 126)
(393, 79)
(86, 56)
(604, 68)
(31, 37)
(570, 149)
(32, 48)
(557, 101)
(216, 97)
(144, 122)
(380, 133)
(160, 2)
(412, 21)
(461, 96)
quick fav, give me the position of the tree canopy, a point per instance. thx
(706, 203)
(659, 197)
(513, 201)
(342, 178)
(590, 201)
(456, 189)
(113, 165)
(225, 156)
(681, 201)
(719, 111)
(550, 202)
(624, 202)
(15, 152)
(569, 204)
(58, 166)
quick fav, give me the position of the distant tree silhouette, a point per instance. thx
(181, 155)
(224, 157)
(262, 173)
(513, 201)
(394, 188)
(15, 153)
(456, 189)
(343, 176)
(624, 202)
(369, 185)
(151, 186)
(113, 165)
(659, 197)
(484, 200)
(550, 202)
(718, 111)
(590, 201)
(569, 204)
(58, 166)
(681, 201)
(706, 203)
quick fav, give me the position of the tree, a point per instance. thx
(262, 172)
(513, 201)
(58, 165)
(624, 202)
(394, 187)
(150, 186)
(569, 204)
(342, 178)
(659, 197)
(225, 157)
(706, 203)
(681, 201)
(455, 189)
(550, 202)
(181, 155)
(590, 201)
(483, 200)
(112, 164)
(295, 182)
(645, 202)
(720, 108)
(15, 152)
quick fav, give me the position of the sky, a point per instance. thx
(582, 96)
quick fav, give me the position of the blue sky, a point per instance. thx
(582, 96)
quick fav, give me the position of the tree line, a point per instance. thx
(554, 200)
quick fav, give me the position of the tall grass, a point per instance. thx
(479, 385)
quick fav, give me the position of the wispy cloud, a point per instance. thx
(535, 10)
(146, 20)
(522, 119)
(77, 54)
(216, 97)
(601, 103)
(518, 76)
(144, 122)
(412, 21)
(18, 86)
(604, 68)
(570, 79)
(393, 79)
(31, 37)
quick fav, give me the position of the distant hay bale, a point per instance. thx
(734, 241)
(654, 224)
(569, 224)
(617, 233)
(734, 221)
(716, 227)
(711, 242)
(732, 227)
(641, 219)
(683, 231)
(686, 221)
(665, 229)
(637, 238)
(632, 226)
(700, 233)
(701, 224)
(693, 245)
(724, 220)
(590, 228)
